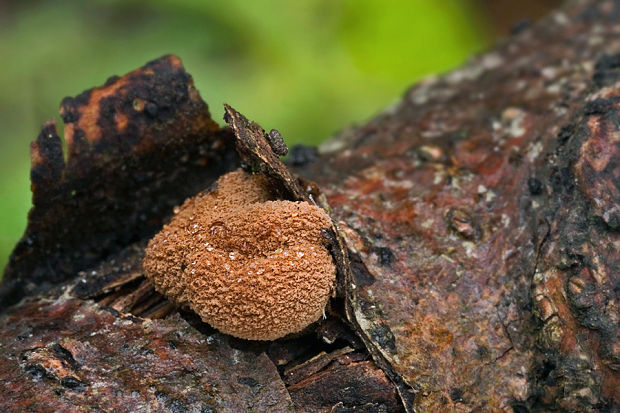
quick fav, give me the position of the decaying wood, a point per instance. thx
(129, 145)
(477, 237)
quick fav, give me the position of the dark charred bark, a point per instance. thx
(477, 240)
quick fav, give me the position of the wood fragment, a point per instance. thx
(298, 372)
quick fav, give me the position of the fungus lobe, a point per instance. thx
(250, 266)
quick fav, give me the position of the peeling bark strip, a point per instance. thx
(257, 154)
(480, 270)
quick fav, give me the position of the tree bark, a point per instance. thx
(477, 239)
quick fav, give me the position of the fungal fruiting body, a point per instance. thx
(250, 266)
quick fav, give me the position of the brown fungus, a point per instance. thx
(250, 266)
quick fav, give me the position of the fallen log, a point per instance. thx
(476, 239)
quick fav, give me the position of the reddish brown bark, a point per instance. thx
(481, 223)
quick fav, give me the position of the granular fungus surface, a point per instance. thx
(250, 266)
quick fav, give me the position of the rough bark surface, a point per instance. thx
(482, 230)
(483, 214)
(65, 347)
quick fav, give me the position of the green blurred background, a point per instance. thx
(305, 67)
